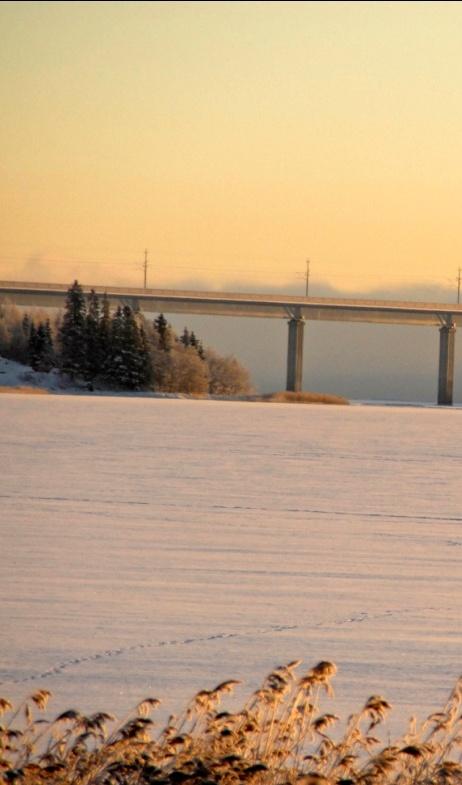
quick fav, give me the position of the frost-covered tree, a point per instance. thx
(129, 362)
(187, 367)
(15, 327)
(72, 334)
(227, 375)
(13, 337)
(188, 373)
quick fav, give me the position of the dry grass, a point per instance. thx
(281, 736)
(303, 397)
(25, 390)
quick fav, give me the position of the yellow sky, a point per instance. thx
(233, 140)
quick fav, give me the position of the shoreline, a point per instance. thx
(315, 398)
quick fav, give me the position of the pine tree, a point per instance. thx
(92, 338)
(147, 372)
(186, 338)
(130, 350)
(197, 345)
(18, 340)
(40, 347)
(26, 325)
(129, 360)
(162, 328)
(105, 332)
(72, 333)
(113, 364)
(32, 346)
(49, 357)
(200, 350)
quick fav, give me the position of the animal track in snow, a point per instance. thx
(354, 618)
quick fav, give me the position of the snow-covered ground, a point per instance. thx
(156, 547)
(16, 375)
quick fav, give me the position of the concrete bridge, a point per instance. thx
(296, 310)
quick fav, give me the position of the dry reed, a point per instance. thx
(285, 396)
(280, 737)
(25, 390)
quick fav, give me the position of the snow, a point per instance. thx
(157, 547)
(16, 375)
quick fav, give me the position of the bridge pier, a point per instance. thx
(446, 364)
(295, 355)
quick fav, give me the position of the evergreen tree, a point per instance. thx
(105, 332)
(197, 345)
(131, 350)
(129, 360)
(186, 338)
(200, 350)
(93, 338)
(26, 325)
(32, 345)
(147, 372)
(73, 334)
(19, 340)
(162, 329)
(40, 347)
(113, 365)
(49, 356)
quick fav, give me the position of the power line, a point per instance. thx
(325, 275)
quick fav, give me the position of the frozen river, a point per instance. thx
(156, 547)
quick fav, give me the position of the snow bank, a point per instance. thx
(21, 377)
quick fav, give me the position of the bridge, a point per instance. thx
(296, 310)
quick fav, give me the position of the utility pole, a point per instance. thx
(458, 285)
(145, 267)
(307, 277)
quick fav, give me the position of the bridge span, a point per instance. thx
(296, 310)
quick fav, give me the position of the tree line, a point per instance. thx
(117, 350)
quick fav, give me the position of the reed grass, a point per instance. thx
(281, 736)
(25, 390)
(285, 396)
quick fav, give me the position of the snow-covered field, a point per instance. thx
(156, 547)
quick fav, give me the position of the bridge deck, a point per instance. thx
(237, 304)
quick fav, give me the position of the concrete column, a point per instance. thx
(446, 365)
(295, 355)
